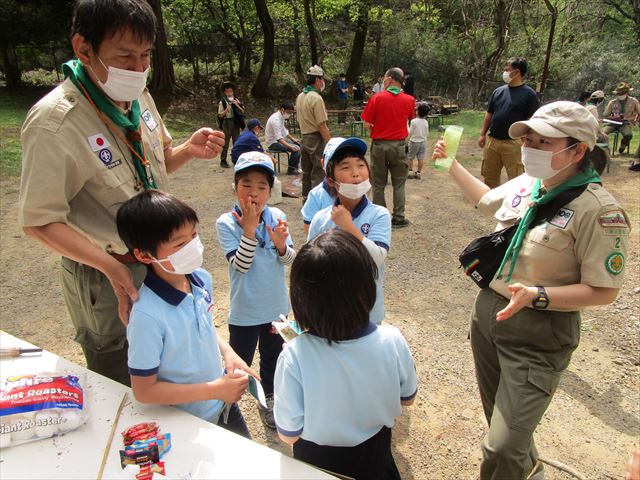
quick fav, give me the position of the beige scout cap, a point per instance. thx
(597, 94)
(560, 119)
(316, 70)
(622, 88)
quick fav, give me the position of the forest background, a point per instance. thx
(453, 48)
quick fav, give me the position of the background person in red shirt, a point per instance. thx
(386, 116)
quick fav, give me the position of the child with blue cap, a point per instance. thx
(348, 176)
(255, 239)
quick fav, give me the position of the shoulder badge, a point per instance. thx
(615, 263)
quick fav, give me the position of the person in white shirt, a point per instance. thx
(378, 86)
(277, 137)
(418, 132)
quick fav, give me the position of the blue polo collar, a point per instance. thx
(326, 186)
(364, 202)
(370, 328)
(169, 294)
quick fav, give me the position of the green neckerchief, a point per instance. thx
(579, 179)
(394, 90)
(75, 71)
(623, 105)
(310, 88)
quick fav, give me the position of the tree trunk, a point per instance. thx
(296, 43)
(503, 10)
(359, 40)
(10, 67)
(244, 58)
(261, 86)
(552, 28)
(163, 79)
(376, 55)
(312, 32)
(635, 4)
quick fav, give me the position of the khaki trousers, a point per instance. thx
(625, 131)
(497, 154)
(311, 162)
(388, 156)
(518, 365)
(93, 308)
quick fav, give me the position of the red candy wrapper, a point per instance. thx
(140, 431)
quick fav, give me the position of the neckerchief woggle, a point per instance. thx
(262, 235)
(75, 71)
(578, 180)
(394, 90)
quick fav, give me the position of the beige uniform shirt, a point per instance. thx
(631, 109)
(221, 108)
(75, 171)
(311, 112)
(585, 242)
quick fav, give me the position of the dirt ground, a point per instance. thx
(593, 422)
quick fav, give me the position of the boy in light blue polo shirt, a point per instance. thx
(348, 175)
(341, 384)
(175, 356)
(255, 239)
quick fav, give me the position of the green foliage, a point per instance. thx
(39, 77)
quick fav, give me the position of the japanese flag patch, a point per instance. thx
(562, 218)
(98, 142)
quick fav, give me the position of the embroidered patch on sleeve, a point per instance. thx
(615, 263)
(613, 219)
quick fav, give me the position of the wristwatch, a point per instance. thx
(542, 300)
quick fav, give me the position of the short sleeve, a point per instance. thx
(380, 229)
(407, 368)
(227, 236)
(491, 105)
(492, 200)
(50, 177)
(288, 407)
(145, 344)
(368, 114)
(601, 247)
(533, 103)
(310, 208)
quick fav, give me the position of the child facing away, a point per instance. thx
(255, 239)
(418, 133)
(348, 178)
(322, 195)
(341, 384)
(175, 356)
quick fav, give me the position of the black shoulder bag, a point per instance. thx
(483, 256)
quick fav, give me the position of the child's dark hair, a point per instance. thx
(243, 173)
(333, 286)
(423, 110)
(148, 219)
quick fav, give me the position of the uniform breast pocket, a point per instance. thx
(113, 186)
(550, 238)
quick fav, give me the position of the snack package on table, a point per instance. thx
(42, 405)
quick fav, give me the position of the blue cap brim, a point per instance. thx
(351, 142)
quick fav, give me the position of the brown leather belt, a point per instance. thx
(127, 258)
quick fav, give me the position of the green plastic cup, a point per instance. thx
(452, 136)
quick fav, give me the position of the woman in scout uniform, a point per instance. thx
(526, 324)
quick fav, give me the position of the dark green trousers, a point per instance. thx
(389, 157)
(518, 366)
(93, 308)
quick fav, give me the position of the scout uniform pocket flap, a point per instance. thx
(545, 380)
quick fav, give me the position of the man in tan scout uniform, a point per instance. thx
(625, 111)
(526, 324)
(88, 146)
(312, 117)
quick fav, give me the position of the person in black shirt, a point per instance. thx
(508, 104)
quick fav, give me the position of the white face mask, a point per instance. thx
(537, 163)
(622, 98)
(123, 85)
(185, 260)
(506, 77)
(286, 115)
(354, 190)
